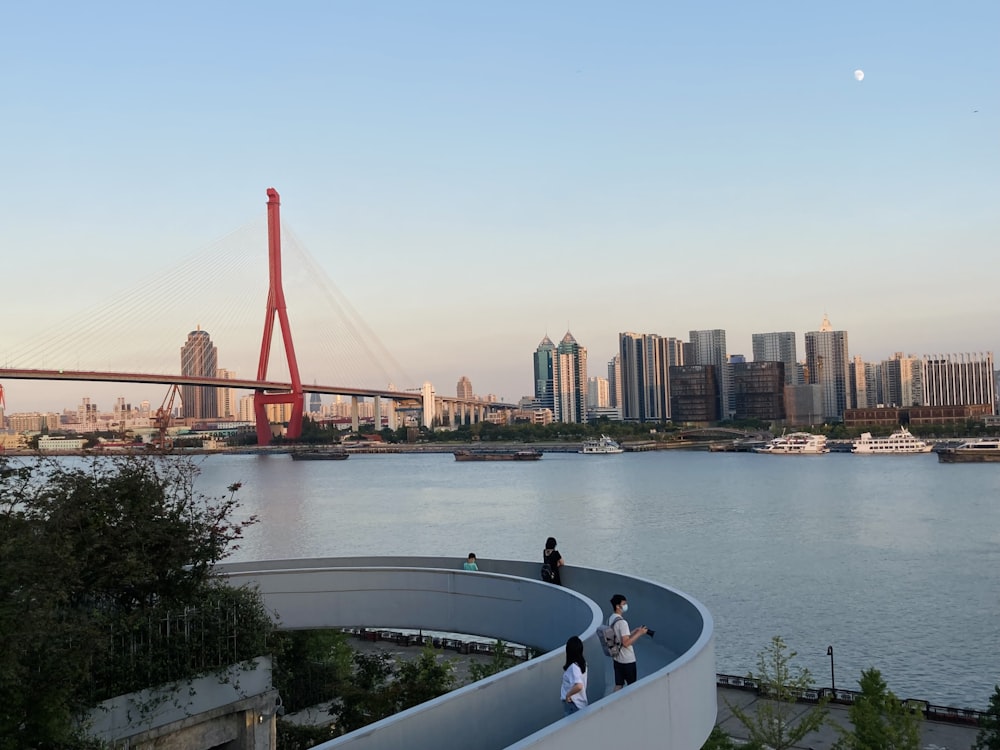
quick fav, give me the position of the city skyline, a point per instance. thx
(525, 169)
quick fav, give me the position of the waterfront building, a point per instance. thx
(33, 422)
(900, 381)
(758, 390)
(958, 379)
(694, 394)
(315, 403)
(828, 366)
(803, 405)
(464, 388)
(226, 397)
(709, 348)
(86, 415)
(542, 362)
(615, 384)
(597, 393)
(864, 383)
(199, 358)
(569, 379)
(646, 359)
(246, 410)
(778, 346)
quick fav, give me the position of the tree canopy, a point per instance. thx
(95, 556)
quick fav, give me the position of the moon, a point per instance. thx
(859, 75)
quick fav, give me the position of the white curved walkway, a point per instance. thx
(672, 706)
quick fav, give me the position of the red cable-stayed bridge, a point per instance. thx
(265, 389)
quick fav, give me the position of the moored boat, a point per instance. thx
(529, 454)
(316, 454)
(899, 442)
(601, 446)
(983, 450)
(796, 444)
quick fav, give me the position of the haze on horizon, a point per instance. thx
(539, 168)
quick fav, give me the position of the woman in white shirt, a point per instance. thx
(574, 681)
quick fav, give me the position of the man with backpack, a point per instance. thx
(623, 654)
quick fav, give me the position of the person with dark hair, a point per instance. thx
(470, 564)
(574, 682)
(624, 660)
(551, 562)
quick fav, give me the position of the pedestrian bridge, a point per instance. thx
(673, 705)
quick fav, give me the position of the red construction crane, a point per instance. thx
(163, 417)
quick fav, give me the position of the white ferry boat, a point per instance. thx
(899, 442)
(604, 445)
(796, 444)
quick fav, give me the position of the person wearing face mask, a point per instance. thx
(624, 660)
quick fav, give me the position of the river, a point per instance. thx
(894, 561)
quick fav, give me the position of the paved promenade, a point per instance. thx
(935, 735)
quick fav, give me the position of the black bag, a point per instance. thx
(547, 574)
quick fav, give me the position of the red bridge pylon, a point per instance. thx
(276, 305)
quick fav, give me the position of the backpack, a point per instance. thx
(611, 644)
(547, 575)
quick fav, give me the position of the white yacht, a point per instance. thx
(796, 444)
(604, 445)
(899, 442)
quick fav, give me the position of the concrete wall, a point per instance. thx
(673, 702)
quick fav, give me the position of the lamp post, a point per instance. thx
(833, 682)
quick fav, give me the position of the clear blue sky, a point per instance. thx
(654, 167)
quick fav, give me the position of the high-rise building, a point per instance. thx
(958, 380)
(199, 358)
(900, 381)
(828, 365)
(864, 383)
(569, 379)
(598, 393)
(615, 384)
(542, 361)
(646, 359)
(464, 388)
(759, 390)
(315, 403)
(777, 346)
(226, 397)
(694, 394)
(709, 348)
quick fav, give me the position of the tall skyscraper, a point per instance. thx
(542, 360)
(828, 365)
(646, 359)
(958, 379)
(900, 381)
(315, 403)
(199, 358)
(464, 388)
(709, 348)
(615, 384)
(778, 346)
(569, 379)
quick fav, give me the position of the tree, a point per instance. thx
(105, 547)
(988, 737)
(776, 722)
(500, 661)
(879, 719)
(382, 686)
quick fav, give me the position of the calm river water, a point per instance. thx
(892, 560)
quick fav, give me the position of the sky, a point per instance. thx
(473, 176)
